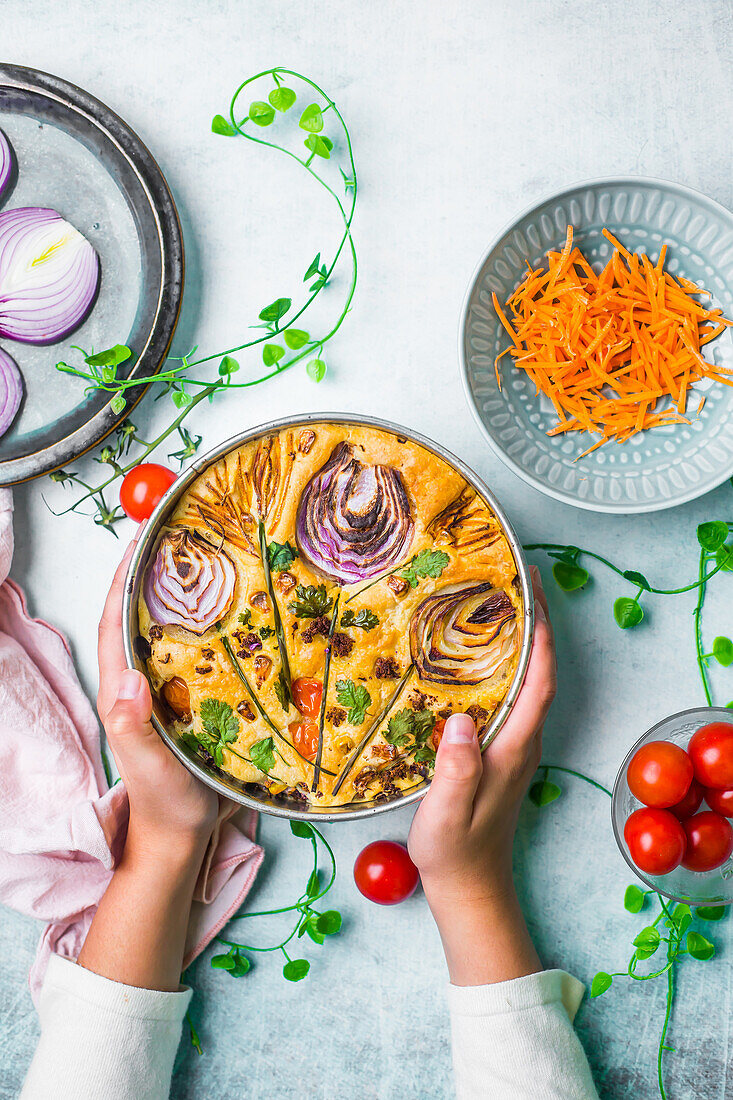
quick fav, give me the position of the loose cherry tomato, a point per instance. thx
(384, 872)
(304, 733)
(437, 735)
(709, 841)
(656, 840)
(690, 804)
(711, 751)
(143, 487)
(307, 695)
(720, 801)
(659, 774)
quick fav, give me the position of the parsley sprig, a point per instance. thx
(310, 601)
(219, 728)
(355, 698)
(426, 563)
(365, 619)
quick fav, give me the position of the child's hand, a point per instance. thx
(167, 804)
(461, 837)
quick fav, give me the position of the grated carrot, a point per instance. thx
(605, 349)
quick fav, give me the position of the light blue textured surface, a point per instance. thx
(461, 116)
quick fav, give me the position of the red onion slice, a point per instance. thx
(463, 634)
(48, 275)
(354, 522)
(6, 162)
(11, 390)
(190, 583)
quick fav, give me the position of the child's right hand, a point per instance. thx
(462, 834)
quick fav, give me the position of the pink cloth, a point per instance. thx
(61, 827)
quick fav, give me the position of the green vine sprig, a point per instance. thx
(282, 343)
(308, 920)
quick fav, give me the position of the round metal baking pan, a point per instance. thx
(74, 154)
(233, 788)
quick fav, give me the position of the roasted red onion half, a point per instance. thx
(354, 522)
(48, 275)
(11, 390)
(463, 634)
(190, 583)
(6, 162)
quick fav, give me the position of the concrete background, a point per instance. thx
(461, 115)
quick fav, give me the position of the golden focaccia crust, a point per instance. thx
(239, 657)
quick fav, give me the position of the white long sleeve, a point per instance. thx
(100, 1038)
(515, 1040)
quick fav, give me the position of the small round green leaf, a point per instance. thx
(627, 612)
(711, 912)
(601, 982)
(543, 792)
(321, 146)
(271, 354)
(302, 829)
(220, 126)
(638, 579)
(311, 119)
(329, 923)
(261, 113)
(117, 403)
(241, 966)
(315, 935)
(712, 535)
(282, 99)
(275, 310)
(648, 937)
(316, 370)
(634, 899)
(723, 651)
(724, 557)
(296, 338)
(228, 366)
(570, 576)
(314, 885)
(699, 947)
(223, 962)
(296, 969)
(111, 357)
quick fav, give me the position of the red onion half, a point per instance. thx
(6, 162)
(48, 275)
(190, 583)
(463, 635)
(354, 522)
(11, 390)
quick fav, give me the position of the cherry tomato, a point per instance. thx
(384, 872)
(437, 735)
(307, 694)
(720, 801)
(656, 840)
(711, 751)
(143, 487)
(177, 696)
(709, 841)
(690, 804)
(659, 774)
(304, 733)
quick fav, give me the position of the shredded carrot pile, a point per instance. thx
(615, 353)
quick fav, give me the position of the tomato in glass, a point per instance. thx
(307, 694)
(437, 735)
(656, 840)
(720, 801)
(711, 751)
(709, 841)
(304, 734)
(384, 872)
(659, 774)
(142, 489)
(690, 804)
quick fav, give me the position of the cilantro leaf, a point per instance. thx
(262, 754)
(355, 698)
(281, 556)
(246, 618)
(282, 689)
(219, 720)
(364, 619)
(265, 632)
(425, 756)
(424, 725)
(428, 563)
(310, 601)
(400, 728)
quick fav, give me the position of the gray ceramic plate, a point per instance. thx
(72, 153)
(655, 469)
